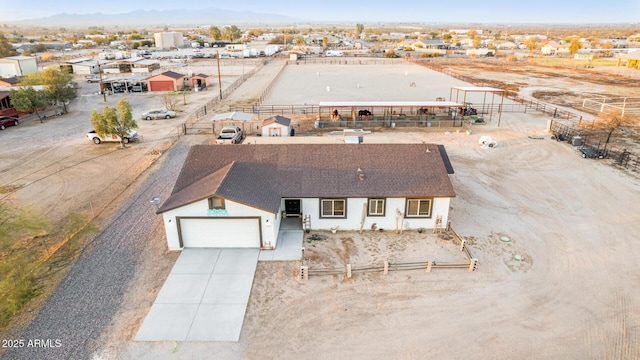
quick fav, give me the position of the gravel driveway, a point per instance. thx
(85, 301)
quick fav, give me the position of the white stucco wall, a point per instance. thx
(311, 206)
(201, 209)
(17, 67)
(270, 223)
(28, 66)
(84, 70)
(8, 70)
(284, 130)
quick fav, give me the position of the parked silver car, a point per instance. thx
(158, 114)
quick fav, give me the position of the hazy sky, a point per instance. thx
(487, 11)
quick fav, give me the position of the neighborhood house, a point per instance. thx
(236, 196)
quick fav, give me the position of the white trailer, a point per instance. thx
(236, 47)
(271, 50)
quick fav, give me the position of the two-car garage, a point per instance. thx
(219, 232)
(166, 81)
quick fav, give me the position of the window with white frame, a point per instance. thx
(376, 207)
(333, 208)
(216, 203)
(418, 208)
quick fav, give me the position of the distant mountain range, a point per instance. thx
(209, 16)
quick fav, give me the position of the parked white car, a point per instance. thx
(97, 139)
(330, 53)
(158, 114)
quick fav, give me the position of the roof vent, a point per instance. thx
(360, 174)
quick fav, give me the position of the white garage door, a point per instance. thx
(220, 232)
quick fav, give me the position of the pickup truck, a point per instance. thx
(92, 78)
(97, 139)
(231, 134)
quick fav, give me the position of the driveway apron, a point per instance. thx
(204, 298)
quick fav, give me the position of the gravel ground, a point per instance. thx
(85, 301)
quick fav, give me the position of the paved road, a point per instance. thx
(84, 303)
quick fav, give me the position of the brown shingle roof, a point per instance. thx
(259, 175)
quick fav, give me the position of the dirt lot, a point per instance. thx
(561, 85)
(573, 220)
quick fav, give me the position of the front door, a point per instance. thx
(292, 207)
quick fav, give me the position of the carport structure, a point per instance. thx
(136, 83)
(479, 89)
(388, 111)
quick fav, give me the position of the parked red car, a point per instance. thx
(7, 121)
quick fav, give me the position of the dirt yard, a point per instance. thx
(573, 221)
(561, 85)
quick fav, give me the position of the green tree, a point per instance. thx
(231, 33)
(59, 86)
(574, 46)
(359, 29)
(114, 121)
(215, 33)
(6, 49)
(300, 40)
(28, 99)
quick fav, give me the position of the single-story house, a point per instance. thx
(199, 80)
(17, 66)
(6, 109)
(166, 81)
(430, 44)
(236, 196)
(276, 126)
(550, 48)
(506, 45)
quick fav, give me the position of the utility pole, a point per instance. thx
(101, 84)
(219, 78)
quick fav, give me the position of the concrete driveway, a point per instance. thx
(204, 298)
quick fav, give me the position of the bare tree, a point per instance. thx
(170, 102)
(611, 121)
